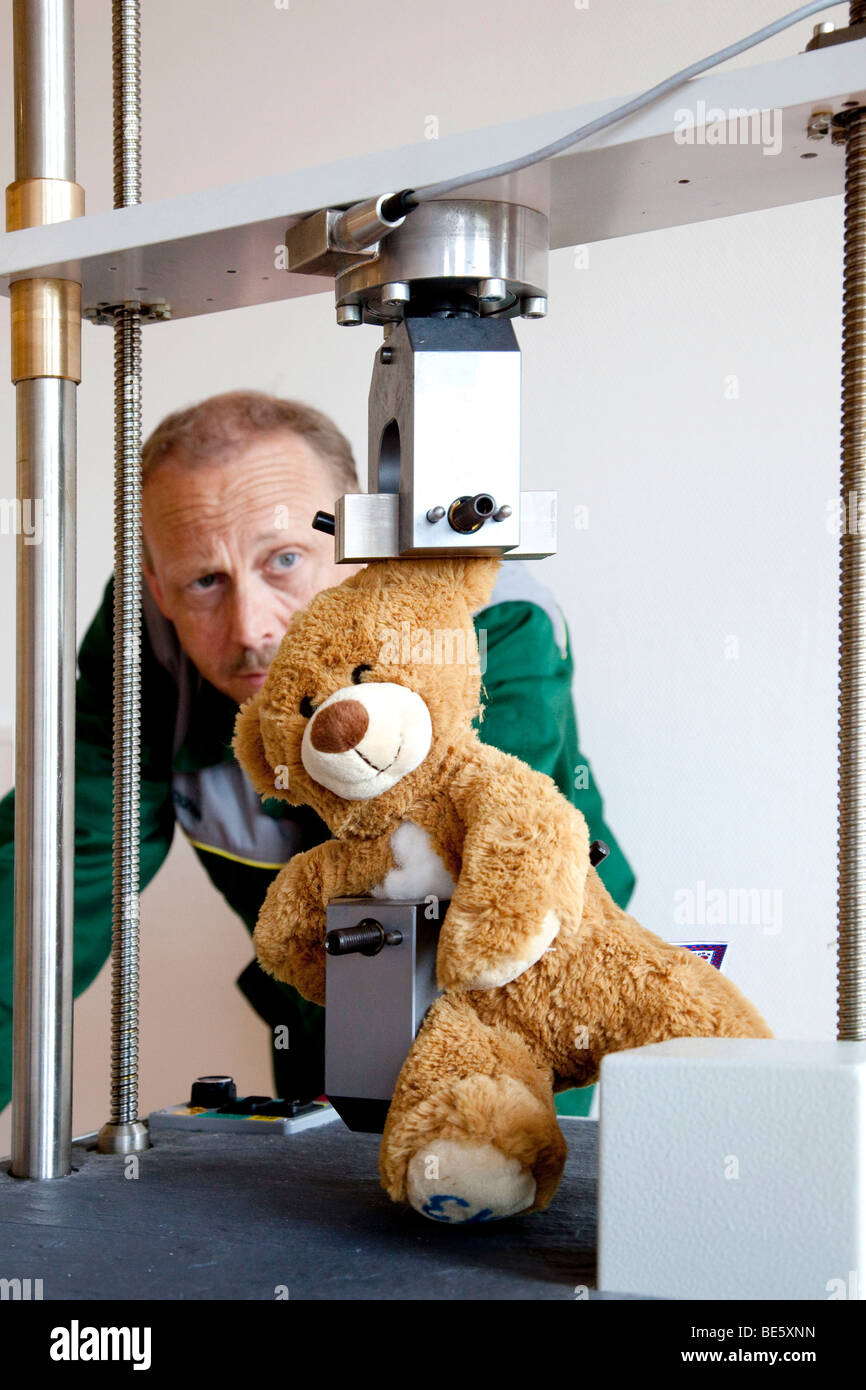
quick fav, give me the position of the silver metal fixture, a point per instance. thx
(444, 421)
(444, 405)
(46, 368)
(471, 245)
(376, 949)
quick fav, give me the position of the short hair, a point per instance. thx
(213, 427)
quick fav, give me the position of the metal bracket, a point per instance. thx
(827, 122)
(825, 35)
(156, 312)
(314, 248)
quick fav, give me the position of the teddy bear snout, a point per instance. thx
(339, 727)
(363, 738)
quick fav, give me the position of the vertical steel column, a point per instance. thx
(851, 951)
(46, 367)
(125, 1132)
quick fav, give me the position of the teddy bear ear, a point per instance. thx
(476, 577)
(473, 577)
(250, 749)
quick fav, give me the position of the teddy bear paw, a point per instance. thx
(459, 1182)
(500, 971)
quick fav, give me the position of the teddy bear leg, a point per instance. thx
(471, 1133)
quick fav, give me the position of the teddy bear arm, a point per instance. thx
(505, 804)
(353, 872)
(290, 932)
(523, 873)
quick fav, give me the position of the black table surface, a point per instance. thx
(300, 1216)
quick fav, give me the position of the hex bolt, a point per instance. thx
(397, 292)
(348, 315)
(819, 124)
(493, 291)
(386, 354)
(534, 306)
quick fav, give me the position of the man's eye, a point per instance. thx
(358, 672)
(204, 581)
(291, 556)
(307, 708)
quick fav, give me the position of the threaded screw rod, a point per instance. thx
(124, 1132)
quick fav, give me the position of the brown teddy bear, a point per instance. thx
(542, 972)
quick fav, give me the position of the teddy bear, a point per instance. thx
(541, 973)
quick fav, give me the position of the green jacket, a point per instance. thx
(189, 776)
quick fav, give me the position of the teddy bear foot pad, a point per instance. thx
(458, 1182)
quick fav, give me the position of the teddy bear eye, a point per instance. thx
(356, 674)
(307, 707)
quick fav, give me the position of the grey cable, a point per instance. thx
(565, 142)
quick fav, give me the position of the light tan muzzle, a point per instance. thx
(364, 738)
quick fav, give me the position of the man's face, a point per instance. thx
(234, 554)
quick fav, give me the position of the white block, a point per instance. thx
(733, 1168)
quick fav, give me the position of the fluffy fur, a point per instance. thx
(542, 972)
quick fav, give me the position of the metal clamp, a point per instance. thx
(156, 312)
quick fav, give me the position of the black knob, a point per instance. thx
(212, 1091)
(468, 514)
(367, 939)
(598, 850)
(324, 521)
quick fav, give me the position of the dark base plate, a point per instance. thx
(238, 1216)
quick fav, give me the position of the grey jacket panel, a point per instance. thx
(218, 809)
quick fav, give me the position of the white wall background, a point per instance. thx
(707, 516)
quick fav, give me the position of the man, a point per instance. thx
(229, 488)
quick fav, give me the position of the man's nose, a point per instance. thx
(252, 624)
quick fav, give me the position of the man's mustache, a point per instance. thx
(255, 662)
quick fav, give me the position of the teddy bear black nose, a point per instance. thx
(339, 727)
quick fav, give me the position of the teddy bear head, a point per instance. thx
(374, 686)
